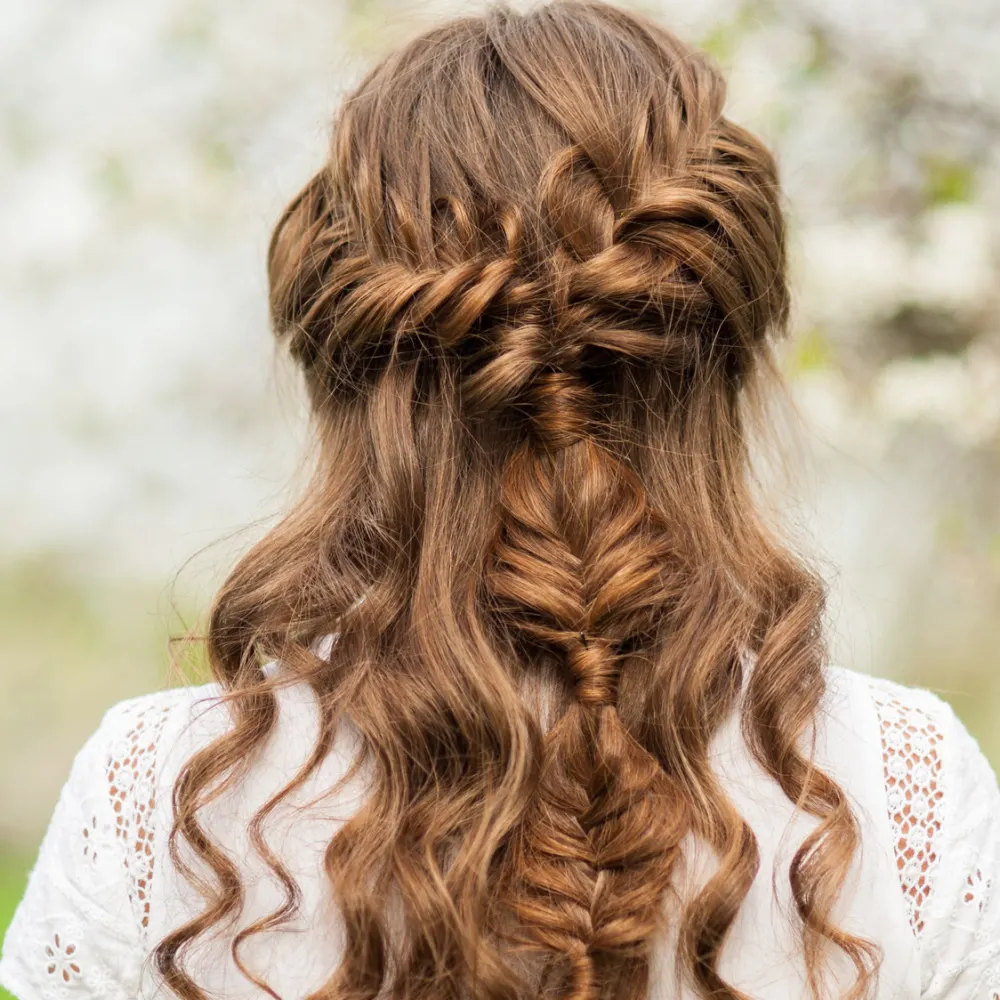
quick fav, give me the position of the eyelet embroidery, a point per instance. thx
(68, 934)
(61, 960)
(978, 890)
(91, 837)
(911, 758)
(121, 837)
(131, 772)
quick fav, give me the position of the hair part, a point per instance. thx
(531, 292)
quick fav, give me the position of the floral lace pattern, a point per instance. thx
(131, 774)
(62, 960)
(944, 810)
(911, 758)
(81, 928)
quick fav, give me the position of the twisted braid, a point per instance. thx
(335, 285)
(670, 261)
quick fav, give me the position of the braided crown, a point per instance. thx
(681, 267)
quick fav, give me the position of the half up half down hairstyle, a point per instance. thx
(531, 293)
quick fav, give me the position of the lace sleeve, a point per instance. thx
(79, 930)
(944, 808)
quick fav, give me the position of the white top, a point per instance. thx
(104, 890)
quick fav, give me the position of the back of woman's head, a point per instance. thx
(531, 292)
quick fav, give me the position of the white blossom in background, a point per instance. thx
(961, 394)
(148, 147)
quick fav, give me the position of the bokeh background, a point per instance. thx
(150, 430)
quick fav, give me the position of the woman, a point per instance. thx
(524, 699)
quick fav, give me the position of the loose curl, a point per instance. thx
(532, 292)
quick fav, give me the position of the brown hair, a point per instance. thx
(532, 292)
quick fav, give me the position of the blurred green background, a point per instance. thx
(148, 421)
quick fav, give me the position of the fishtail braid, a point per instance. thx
(578, 572)
(600, 839)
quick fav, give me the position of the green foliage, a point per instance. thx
(13, 878)
(113, 178)
(948, 181)
(811, 351)
(722, 41)
(217, 155)
(373, 27)
(952, 528)
(821, 56)
(193, 31)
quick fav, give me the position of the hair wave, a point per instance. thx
(532, 291)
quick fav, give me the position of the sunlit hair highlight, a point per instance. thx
(532, 292)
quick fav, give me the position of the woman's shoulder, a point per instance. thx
(136, 734)
(890, 696)
(913, 730)
(154, 710)
(942, 803)
(82, 920)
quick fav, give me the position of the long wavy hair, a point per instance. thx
(534, 292)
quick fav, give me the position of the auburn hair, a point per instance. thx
(534, 292)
